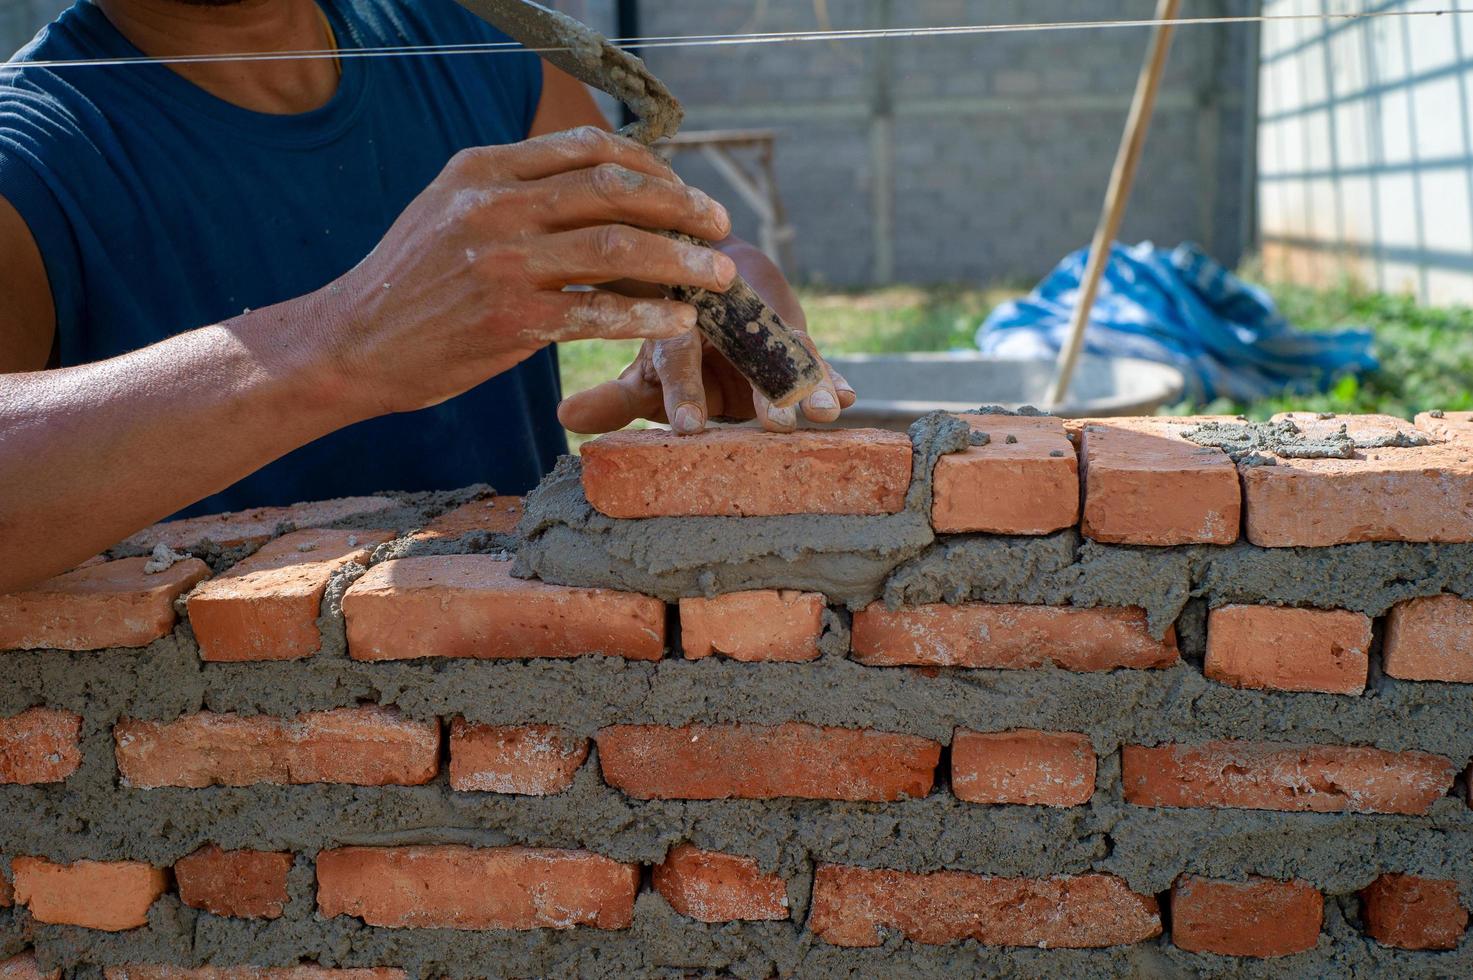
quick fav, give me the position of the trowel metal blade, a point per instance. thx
(588, 56)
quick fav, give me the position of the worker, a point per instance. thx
(231, 283)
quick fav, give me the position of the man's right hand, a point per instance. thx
(470, 280)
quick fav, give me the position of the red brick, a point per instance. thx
(244, 884)
(1446, 426)
(1430, 639)
(1270, 648)
(531, 760)
(452, 887)
(1413, 494)
(256, 526)
(39, 746)
(360, 746)
(743, 472)
(115, 604)
(494, 515)
(851, 906)
(1027, 767)
(1269, 776)
(306, 972)
(1413, 913)
(1027, 486)
(266, 607)
(753, 626)
(1258, 917)
(713, 762)
(471, 606)
(109, 895)
(978, 634)
(23, 966)
(713, 887)
(7, 894)
(1144, 484)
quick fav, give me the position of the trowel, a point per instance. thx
(738, 322)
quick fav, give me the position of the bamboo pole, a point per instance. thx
(1116, 196)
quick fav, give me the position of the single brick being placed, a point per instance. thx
(1259, 917)
(360, 746)
(852, 905)
(23, 966)
(765, 625)
(471, 606)
(530, 760)
(109, 895)
(1415, 493)
(712, 762)
(114, 604)
(1272, 648)
(494, 515)
(454, 887)
(713, 887)
(1025, 480)
(1410, 912)
(266, 607)
(1430, 639)
(1145, 484)
(744, 472)
(305, 972)
(253, 527)
(1270, 776)
(39, 745)
(244, 884)
(977, 634)
(1023, 767)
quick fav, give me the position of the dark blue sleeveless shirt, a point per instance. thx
(158, 208)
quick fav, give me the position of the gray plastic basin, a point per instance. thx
(896, 389)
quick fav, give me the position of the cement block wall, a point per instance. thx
(1008, 696)
(1366, 149)
(1002, 145)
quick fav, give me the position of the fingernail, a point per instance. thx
(723, 268)
(823, 400)
(786, 417)
(688, 420)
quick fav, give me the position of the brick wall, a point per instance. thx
(1138, 708)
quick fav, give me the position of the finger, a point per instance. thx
(847, 395)
(677, 363)
(595, 314)
(774, 419)
(575, 149)
(612, 405)
(594, 255)
(822, 404)
(614, 194)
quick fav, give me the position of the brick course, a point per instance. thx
(453, 887)
(851, 905)
(747, 473)
(360, 746)
(1009, 636)
(713, 762)
(471, 606)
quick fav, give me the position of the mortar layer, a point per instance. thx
(661, 944)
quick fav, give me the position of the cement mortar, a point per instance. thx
(662, 944)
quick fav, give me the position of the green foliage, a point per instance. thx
(1426, 356)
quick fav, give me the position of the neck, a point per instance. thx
(168, 28)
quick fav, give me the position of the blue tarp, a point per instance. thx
(1180, 307)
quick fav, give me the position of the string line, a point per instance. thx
(716, 40)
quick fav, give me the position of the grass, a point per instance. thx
(1426, 352)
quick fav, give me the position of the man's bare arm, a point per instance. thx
(468, 283)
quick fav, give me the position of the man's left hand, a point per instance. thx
(684, 381)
